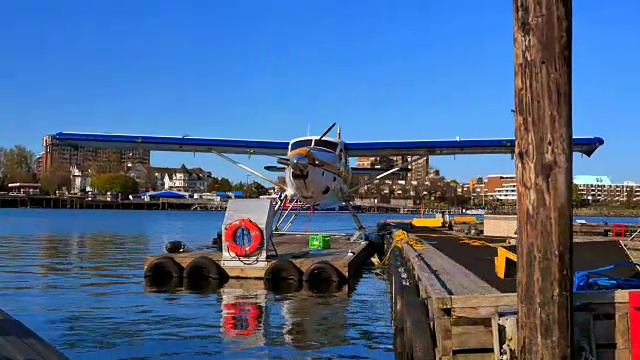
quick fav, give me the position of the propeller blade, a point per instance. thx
(322, 136)
(327, 131)
(283, 161)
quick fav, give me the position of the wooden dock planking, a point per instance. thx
(456, 277)
(440, 280)
(476, 324)
(288, 246)
(19, 342)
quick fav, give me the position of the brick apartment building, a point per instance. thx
(82, 157)
(502, 187)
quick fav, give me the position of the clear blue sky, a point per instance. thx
(268, 69)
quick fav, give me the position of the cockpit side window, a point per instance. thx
(326, 144)
(300, 144)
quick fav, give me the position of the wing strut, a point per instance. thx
(277, 184)
(387, 173)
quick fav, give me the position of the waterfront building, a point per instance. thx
(590, 188)
(601, 188)
(80, 157)
(194, 180)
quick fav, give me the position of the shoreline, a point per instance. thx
(53, 202)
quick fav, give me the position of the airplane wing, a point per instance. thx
(173, 143)
(584, 145)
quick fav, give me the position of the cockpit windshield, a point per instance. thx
(321, 144)
(300, 144)
(326, 144)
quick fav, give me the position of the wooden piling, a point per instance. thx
(542, 39)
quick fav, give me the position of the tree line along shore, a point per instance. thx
(18, 164)
(59, 202)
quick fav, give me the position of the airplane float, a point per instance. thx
(316, 168)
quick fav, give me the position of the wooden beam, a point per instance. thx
(542, 39)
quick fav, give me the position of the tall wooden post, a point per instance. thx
(542, 39)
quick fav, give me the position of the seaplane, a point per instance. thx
(316, 168)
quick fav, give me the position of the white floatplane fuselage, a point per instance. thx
(319, 172)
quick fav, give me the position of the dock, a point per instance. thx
(345, 256)
(18, 342)
(274, 257)
(468, 288)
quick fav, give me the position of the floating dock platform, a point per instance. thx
(468, 287)
(273, 257)
(293, 259)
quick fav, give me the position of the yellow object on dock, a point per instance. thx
(430, 222)
(464, 219)
(505, 263)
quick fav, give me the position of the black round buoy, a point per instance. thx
(283, 277)
(163, 272)
(323, 277)
(175, 246)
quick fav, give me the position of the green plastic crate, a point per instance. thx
(317, 241)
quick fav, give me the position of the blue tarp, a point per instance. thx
(164, 194)
(229, 193)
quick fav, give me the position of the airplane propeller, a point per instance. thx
(324, 134)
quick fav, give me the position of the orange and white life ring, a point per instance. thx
(244, 315)
(230, 237)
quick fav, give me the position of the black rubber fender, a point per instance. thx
(323, 271)
(162, 284)
(163, 272)
(204, 267)
(204, 285)
(323, 288)
(283, 277)
(283, 270)
(282, 287)
(164, 266)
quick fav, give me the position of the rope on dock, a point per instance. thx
(399, 236)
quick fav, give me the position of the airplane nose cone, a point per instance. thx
(299, 163)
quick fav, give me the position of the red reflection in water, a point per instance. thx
(241, 318)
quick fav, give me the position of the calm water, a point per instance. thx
(75, 277)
